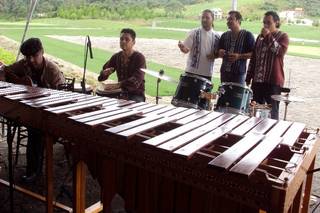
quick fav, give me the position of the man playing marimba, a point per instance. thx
(127, 64)
(34, 69)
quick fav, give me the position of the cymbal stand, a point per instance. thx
(287, 90)
(161, 72)
(285, 109)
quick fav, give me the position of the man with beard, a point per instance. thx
(235, 47)
(202, 46)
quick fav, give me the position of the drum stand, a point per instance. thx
(161, 72)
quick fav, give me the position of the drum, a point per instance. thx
(188, 92)
(78, 88)
(110, 89)
(115, 93)
(233, 98)
(261, 111)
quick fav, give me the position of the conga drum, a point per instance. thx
(111, 90)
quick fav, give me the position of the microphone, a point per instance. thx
(89, 46)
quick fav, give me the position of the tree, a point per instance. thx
(174, 8)
(312, 7)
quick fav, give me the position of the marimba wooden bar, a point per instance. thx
(171, 159)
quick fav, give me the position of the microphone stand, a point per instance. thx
(161, 72)
(87, 47)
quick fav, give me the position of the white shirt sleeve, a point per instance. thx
(188, 42)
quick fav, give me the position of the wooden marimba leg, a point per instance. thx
(307, 189)
(297, 202)
(108, 180)
(49, 172)
(79, 187)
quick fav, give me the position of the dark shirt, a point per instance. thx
(129, 75)
(266, 64)
(244, 43)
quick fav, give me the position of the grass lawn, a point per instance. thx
(73, 53)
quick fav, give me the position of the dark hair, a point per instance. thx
(129, 31)
(275, 17)
(31, 46)
(236, 14)
(208, 11)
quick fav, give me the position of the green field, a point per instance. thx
(73, 53)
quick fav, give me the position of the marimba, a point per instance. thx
(173, 159)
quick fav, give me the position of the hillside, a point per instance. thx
(148, 9)
(254, 9)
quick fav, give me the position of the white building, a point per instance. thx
(217, 12)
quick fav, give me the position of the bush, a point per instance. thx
(316, 23)
(6, 56)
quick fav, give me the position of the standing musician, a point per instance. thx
(266, 64)
(202, 46)
(127, 63)
(34, 69)
(235, 47)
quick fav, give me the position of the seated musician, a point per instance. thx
(34, 69)
(127, 64)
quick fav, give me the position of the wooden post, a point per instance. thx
(79, 187)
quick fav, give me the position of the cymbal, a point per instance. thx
(158, 75)
(287, 98)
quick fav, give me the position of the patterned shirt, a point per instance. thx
(201, 43)
(244, 43)
(128, 73)
(266, 64)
